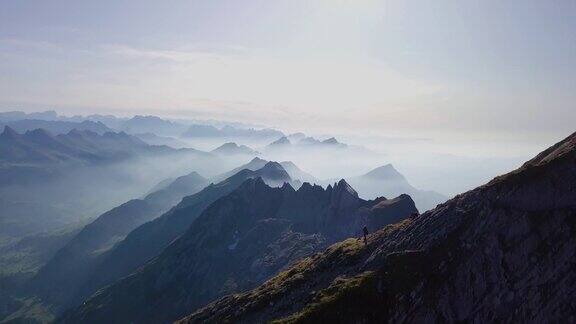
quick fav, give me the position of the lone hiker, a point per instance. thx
(365, 231)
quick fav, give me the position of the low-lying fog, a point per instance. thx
(447, 166)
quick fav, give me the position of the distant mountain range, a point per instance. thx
(40, 146)
(240, 240)
(502, 252)
(158, 131)
(152, 124)
(230, 132)
(50, 181)
(284, 142)
(139, 124)
(9, 116)
(55, 126)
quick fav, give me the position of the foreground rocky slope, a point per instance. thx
(503, 252)
(238, 242)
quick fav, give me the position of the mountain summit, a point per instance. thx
(233, 149)
(385, 172)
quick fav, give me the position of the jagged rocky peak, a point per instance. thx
(9, 133)
(253, 185)
(343, 187)
(343, 195)
(307, 189)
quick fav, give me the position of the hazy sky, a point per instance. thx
(498, 68)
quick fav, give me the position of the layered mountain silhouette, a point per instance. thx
(502, 252)
(300, 140)
(8, 116)
(40, 146)
(387, 181)
(149, 239)
(51, 181)
(58, 281)
(240, 240)
(55, 126)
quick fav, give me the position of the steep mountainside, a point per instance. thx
(387, 181)
(503, 252)
(58, 281)
(239, 241)
(149, 239)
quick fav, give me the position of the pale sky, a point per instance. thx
(486, 68)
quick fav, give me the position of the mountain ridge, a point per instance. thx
(261, 230)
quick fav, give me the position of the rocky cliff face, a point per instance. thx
(503, 252)
(238, 242)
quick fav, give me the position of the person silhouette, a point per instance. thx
(365, 231)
